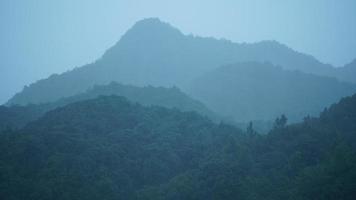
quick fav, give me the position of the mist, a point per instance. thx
(171, 100)
(41, 37)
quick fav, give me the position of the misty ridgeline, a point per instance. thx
(163, 115)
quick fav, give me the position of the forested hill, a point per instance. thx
(105, 148)
(262, 91)
(315, 159)
(155, 53)
(171, 97)
(110, 148)
(17, 116)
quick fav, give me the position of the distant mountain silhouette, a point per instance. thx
(262, 91)
(347, 72)
(15, 117)
(154, 53)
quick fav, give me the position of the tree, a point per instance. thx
(250, 130)
(280, 122)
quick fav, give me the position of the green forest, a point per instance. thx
(111, 148)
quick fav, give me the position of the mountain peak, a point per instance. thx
(145, 36)
(150, 27)
(150, 20)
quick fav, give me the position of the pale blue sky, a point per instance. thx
(41, 37)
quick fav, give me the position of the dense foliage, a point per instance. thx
(110, 148)
(18, 116)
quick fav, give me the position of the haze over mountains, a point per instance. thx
(167, 116)
(154, 53)
(347, 72)
(16, 117)
(262, 91)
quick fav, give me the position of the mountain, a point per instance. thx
(315, 159)
(19, 116)
(261, 91)
(15, 117)
(104, 148)
(160, 96)
(155, 53)
(347, 72)
(110, 148)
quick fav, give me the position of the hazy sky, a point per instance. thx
(41, 37)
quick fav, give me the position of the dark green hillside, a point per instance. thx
(106, 148)
(110, 148)
(18, 116)
(315, 159)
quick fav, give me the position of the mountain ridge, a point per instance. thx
(15, 117)
(263, 91)
(347, 72)
(155, 53)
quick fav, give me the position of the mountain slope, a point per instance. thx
(109, 148)
(261, 91)
(347, 72)
(15, 117)
(104, 148)
(155, 53)
(315, 159)
(18, 116)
